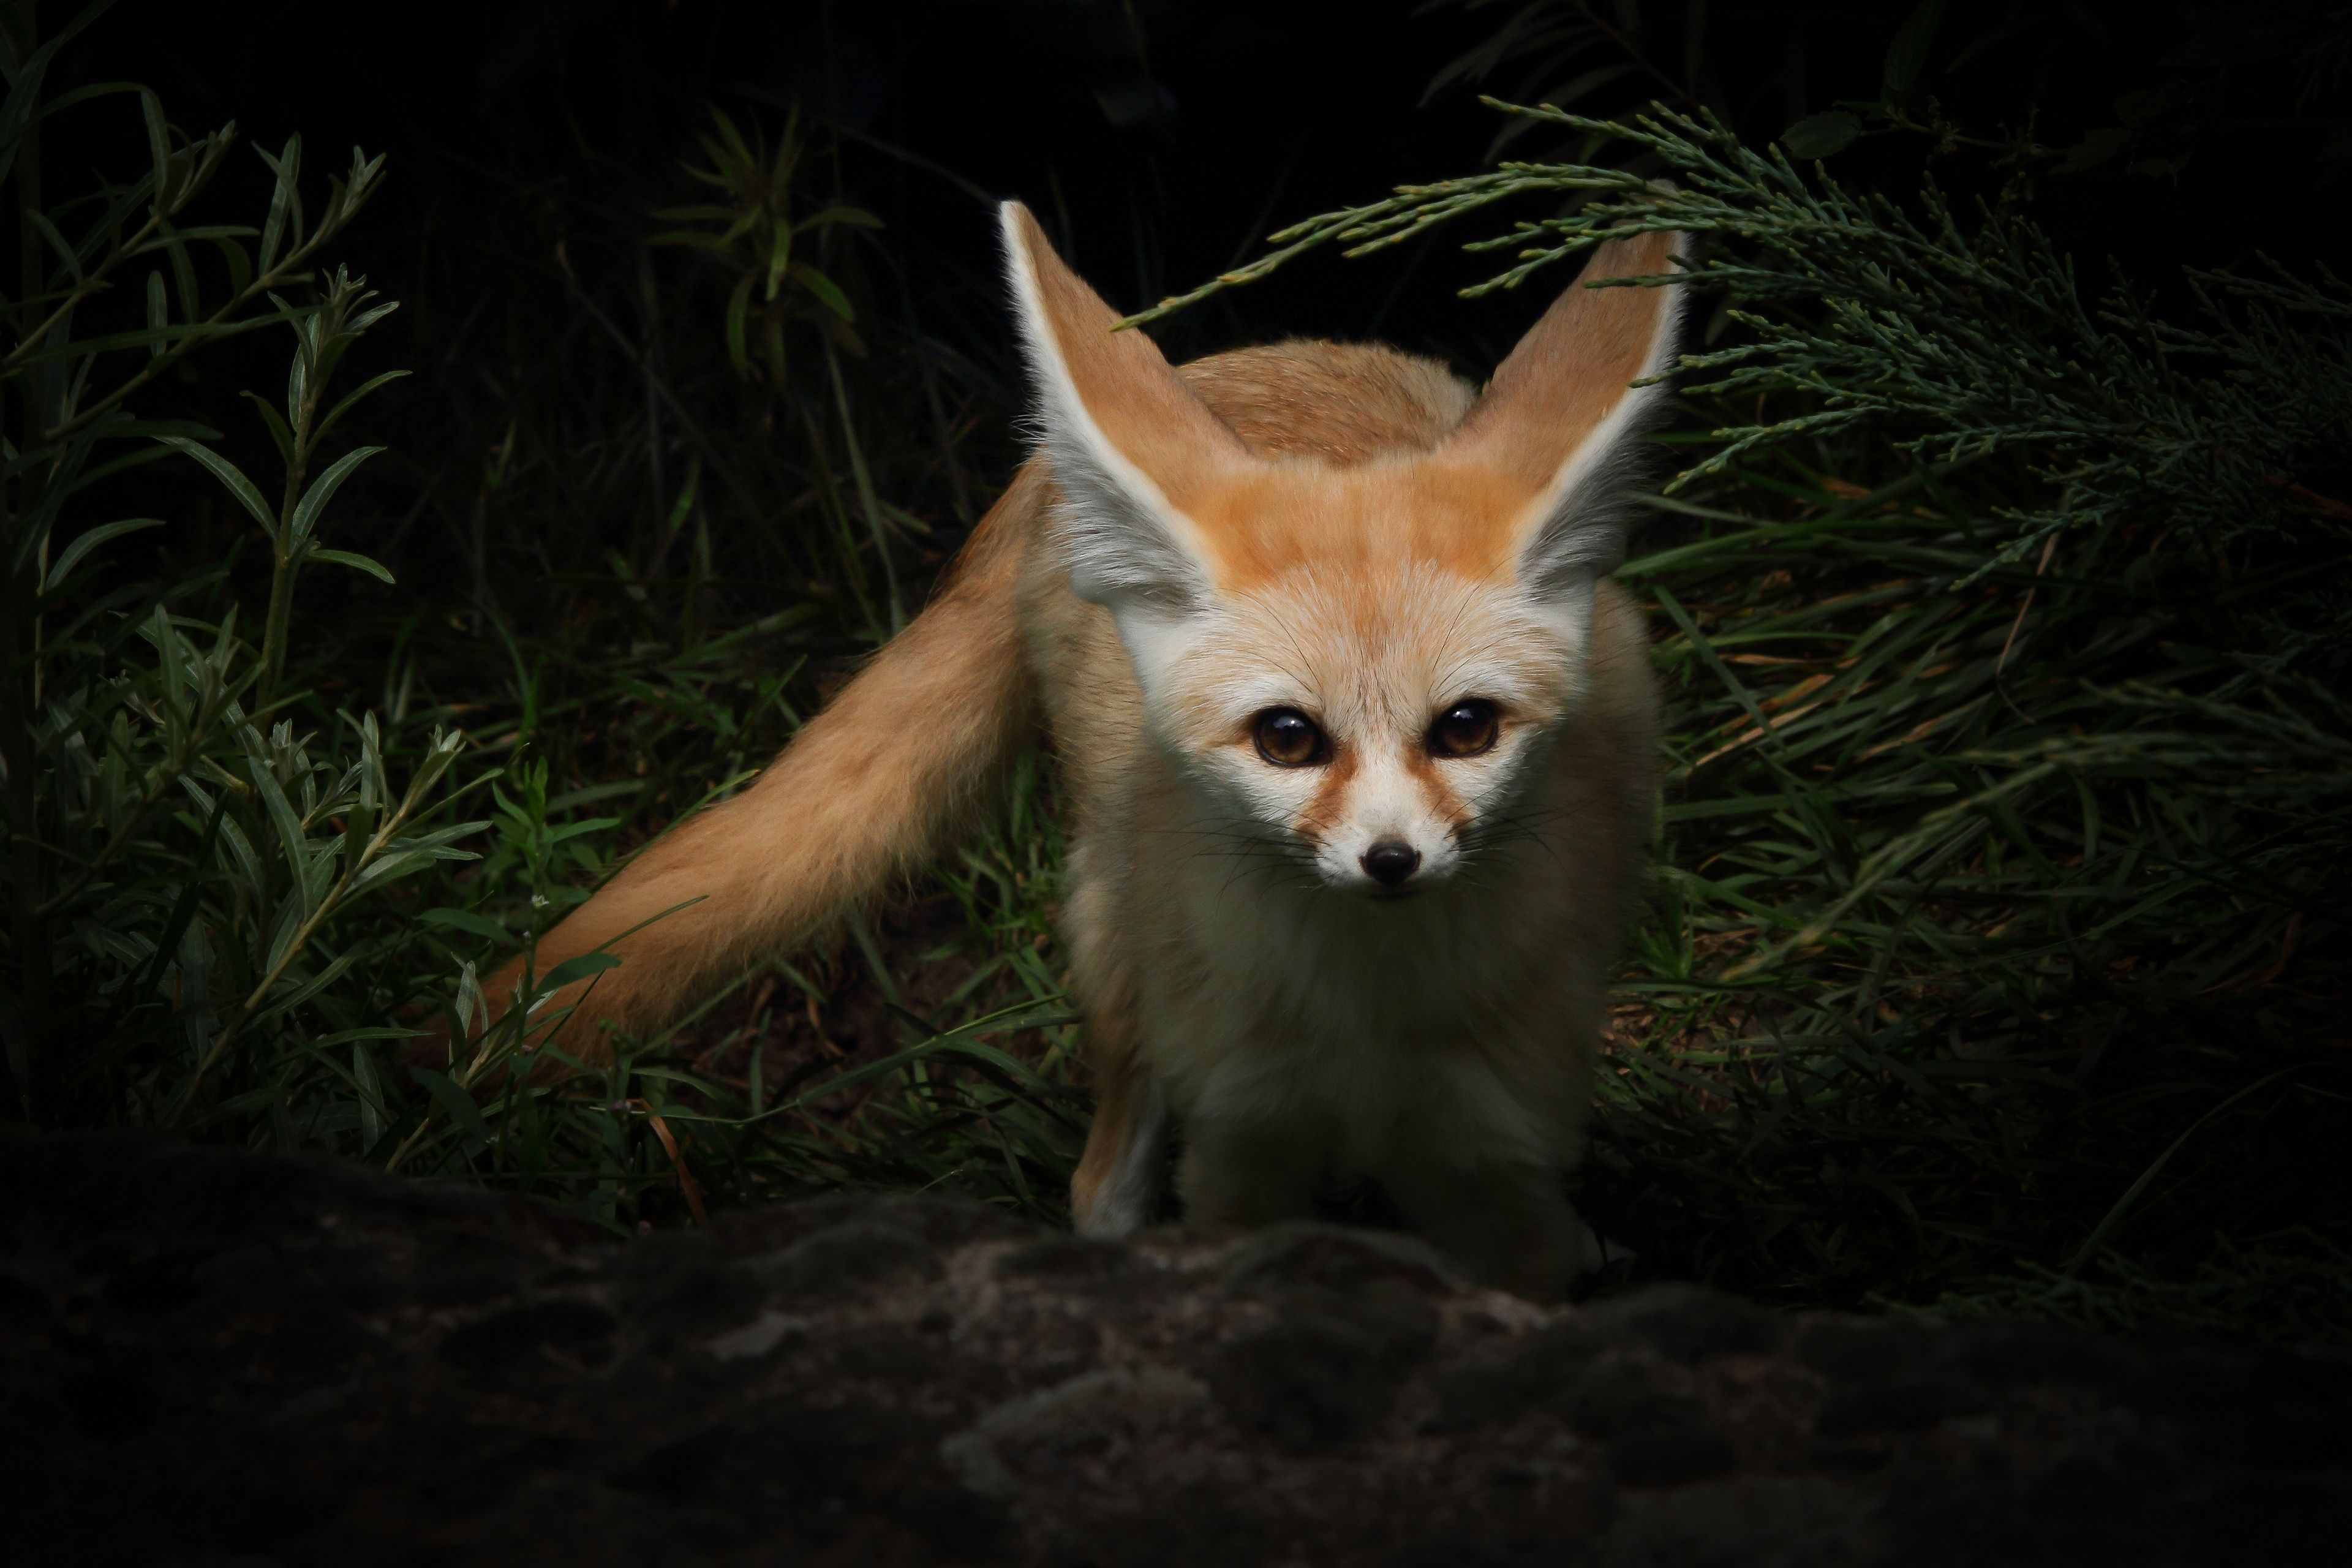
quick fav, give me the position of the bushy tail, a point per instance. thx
(867, 792)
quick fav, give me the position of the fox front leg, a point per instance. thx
(1508, 1226)
(1117, 1187)
(1245, 1173)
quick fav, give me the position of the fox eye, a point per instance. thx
(1289, 739)
(1464, 730)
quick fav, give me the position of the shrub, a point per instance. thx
(194, 844)
(1997, 953)
(236, 901)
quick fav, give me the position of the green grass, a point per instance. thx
(1916, 1016)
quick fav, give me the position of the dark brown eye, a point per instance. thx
(1464, 730)
(1289, 739)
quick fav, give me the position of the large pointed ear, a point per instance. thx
(1560, 422)
(1130, 445)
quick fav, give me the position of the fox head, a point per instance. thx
(1360, 661)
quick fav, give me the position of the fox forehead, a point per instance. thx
(1368, 647)
(1367, 520)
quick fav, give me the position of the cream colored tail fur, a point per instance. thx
(870, 789)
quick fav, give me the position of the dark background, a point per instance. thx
(1160, 140)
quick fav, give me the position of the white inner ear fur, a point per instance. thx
(1575, 533)
(1127, 547)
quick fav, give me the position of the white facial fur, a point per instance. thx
(1374, 663)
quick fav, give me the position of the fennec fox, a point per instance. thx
(1357, 740)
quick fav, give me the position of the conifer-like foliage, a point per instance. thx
(1998, 956)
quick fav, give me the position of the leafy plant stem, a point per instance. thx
(223, 321)
(282, 562)
(181, 760)
(352, 867)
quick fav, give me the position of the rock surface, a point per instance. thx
(213, 1357)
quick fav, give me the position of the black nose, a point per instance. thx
(1390, 862)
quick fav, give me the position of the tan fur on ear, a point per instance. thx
(1560, 422)
(1571, 370)
(1117, 382)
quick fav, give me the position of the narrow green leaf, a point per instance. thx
(159, 148)
(372, 1109)
(184, 906)
(184, 274)
(280, 1003)
(573, 969)
(739, 304)
(285, 204)
(780, 255)
(278, 433)
(464, 921)
(282, 931)
(680, 508)
(321, 872)
(401, 861)
(239, 264)
(170, 235)
(858, 218)
(59, 347)
(230, 475)
(322, 490)
(90, 539)
(25, 82)
(455, 1101)
(739, 150)
(823, 287)
(366, 173)
(350, 400)
(66, 253)
(350, 558)
(247, 862)
(371, 1032)
(291, 842)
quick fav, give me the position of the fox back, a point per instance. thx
(1358, 747)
